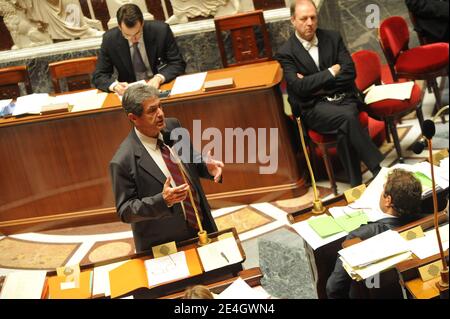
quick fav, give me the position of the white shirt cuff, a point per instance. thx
(111, 87)
(162, 77)
(332, 72)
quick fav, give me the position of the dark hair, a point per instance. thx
(129, 14)
(295, 2)
(405, 191)
(135, 95)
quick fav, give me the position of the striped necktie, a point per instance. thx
(177, 176)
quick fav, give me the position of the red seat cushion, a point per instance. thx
(329, 138)
(423, 59)
(390, 106)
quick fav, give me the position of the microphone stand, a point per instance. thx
(203, 238)
(442, 285)
(318, 207)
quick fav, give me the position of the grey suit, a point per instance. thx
(137, 185)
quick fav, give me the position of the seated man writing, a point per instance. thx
(400, 202)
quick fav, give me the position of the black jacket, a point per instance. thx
(137, 186)
(293, 57)
(431, 18)
(162, 51)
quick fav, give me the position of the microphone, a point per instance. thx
(428, 131)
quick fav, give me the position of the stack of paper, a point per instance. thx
(220, 254)
(427, 246)
(27, 284)
(82, 101)
(375, 254)
(100, 286)
(166, 269)
(31, 104)
(397, 91)
(188, 83)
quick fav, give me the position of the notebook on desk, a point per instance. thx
(149, 274)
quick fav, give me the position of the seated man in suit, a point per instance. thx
(320, 76)
(431, 18)
(149, 188)
(400, 202)
(138, 50)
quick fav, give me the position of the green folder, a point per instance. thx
(424, 180)
(325, 226)
(352, 221)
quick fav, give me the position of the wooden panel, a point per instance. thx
(267, 5)
(155, 8)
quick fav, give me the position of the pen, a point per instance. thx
(224, 256)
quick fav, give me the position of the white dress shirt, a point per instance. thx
(144, 56)
(155, 152)
(313, 49)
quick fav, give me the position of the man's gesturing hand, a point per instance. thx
(173, 195)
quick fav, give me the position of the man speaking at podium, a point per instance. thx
(139, 50)
(149, 189)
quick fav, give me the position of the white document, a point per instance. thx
(165, 269)
(384, 245)
(375, 268)
(239, 289)
(311, 237)
(188, 83)
(31, 104)
(27, 284)
(397, 91)
(82, 101)
(427, 246)
(373, 214)
(4, 103)
(100, 284)
(219, 254)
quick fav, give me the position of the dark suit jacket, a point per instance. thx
(162, 51)
(431, 18)
(338, 284)
(293, 57)
(137, 185)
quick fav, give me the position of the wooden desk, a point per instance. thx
(54, 168)
(215, 278)
(323, 259)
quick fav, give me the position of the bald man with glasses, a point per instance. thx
(137, 50)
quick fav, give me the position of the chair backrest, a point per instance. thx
(393, 35)
(77, 73)
(9, 81)
(243, 38)
(368, 69)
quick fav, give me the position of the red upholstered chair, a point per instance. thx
(324, 142)
(76, 72)
(368, 72)
(425, 62)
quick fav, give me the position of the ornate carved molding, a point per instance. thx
(185, 9)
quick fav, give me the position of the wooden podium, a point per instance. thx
(217, 278)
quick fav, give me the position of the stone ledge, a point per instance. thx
(94, 43)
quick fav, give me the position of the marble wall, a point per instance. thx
(199, 46)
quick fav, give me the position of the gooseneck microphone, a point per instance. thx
(428, 131)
